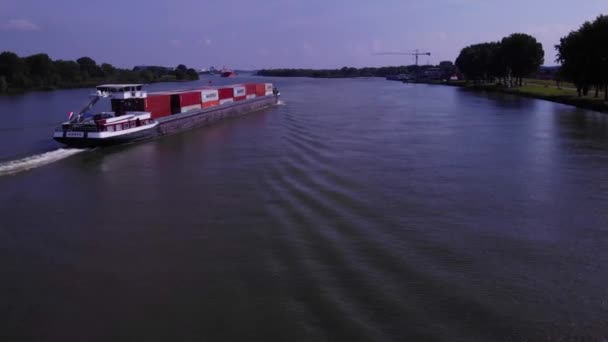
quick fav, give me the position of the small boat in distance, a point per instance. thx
(227, 73)
(137, 115)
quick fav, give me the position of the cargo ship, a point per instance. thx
(138, 115)
(227, 73)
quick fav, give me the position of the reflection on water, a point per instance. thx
(359, 210)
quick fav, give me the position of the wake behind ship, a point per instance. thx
(137, 115)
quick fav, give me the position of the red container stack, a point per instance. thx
(209, 98)
(158, 105)
(190, 98)
(239, 92)
(250, 90)
(260, 89)
(226, 95)
(250, 87)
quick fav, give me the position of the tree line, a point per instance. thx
(583, 54)
(336, 73)
(39, 71)
(509, 60)
(353, 72)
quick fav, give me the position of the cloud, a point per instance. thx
(208, 42)
(176, 42)
(19, 25)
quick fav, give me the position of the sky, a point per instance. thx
(252, 34)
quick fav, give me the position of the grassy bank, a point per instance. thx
(543, 91)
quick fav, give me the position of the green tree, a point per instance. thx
(574, 55)
(191, 74)
(11, 65)
(3, 84)
(107, 69)
(480, 62)
(180, 75)
(68, 71)
(523, 55)
(40, 68)
(180, 72)
(146, 76)
(88, 67)
(40, 71)
(597, 38)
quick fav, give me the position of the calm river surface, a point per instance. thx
(359, 210)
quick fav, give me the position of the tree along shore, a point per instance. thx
(503, 65)
(349, 72)
(583, 55)
(537, 89)
(40, 72)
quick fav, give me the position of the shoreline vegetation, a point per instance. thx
(582, 55)
(40, 72)
(507, 66)
(345, 72)
(537, 89)
(549, 90)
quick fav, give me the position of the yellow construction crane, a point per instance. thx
(415, 53)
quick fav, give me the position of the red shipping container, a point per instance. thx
(260, 89)
(211, 103)
(226, 93)
(189, 98)
(250, 87)
(158, 105)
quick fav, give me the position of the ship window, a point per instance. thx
(110, 128)
(118, 127)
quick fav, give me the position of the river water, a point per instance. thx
(360, 209)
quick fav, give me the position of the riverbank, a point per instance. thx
(564, 95)
(90, 84)
(39, 72)
(344, 72)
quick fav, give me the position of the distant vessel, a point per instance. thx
(137, 115)
(227, 72)
(400, 77)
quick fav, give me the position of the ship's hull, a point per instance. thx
(172, 124)
(90, 140)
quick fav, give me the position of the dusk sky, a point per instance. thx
(275, 34)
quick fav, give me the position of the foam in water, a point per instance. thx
(37, 160)
(281, 103)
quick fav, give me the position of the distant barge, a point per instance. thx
(137, 115)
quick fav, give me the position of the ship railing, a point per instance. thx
(77, 128)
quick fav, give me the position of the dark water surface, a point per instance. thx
(358, 210)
